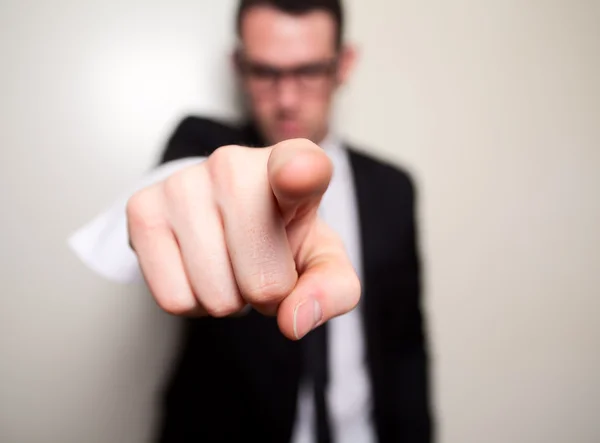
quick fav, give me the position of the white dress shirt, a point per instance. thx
(103, 245)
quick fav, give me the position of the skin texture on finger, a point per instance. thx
(197, 226)
(158, 254)
(327, 287)
(255, 234)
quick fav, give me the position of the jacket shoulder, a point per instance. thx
(382, 174)
(199, 136)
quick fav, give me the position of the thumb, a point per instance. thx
(299, 173)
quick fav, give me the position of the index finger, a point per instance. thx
(299, 173)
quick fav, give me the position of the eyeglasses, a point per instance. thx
(310, 77)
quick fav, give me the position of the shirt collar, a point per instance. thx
(331, 143)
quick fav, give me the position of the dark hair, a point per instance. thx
(298, 7)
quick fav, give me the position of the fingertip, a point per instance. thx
(299, 171)
(307, 174)
(299, 166)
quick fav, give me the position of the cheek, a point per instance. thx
(317, 108)
(262, 108)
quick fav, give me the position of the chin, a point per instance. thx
(279, 137)
(293, 133)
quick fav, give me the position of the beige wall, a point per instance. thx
(494, 106)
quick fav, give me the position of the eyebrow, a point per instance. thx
(267, 65)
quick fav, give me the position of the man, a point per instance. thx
(264, 252)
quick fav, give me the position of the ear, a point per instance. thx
(235, 60)
(348, 58)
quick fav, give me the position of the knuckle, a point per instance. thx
(225, 161)
(353, 290)
(177, 306)
(223, 157)
(223, 307)
(356, 290)
(268, 292)
(142, 211)
(175, 185)
(137, 205)
(181, 185)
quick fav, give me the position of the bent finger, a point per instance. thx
(159, 257)
(198, 229)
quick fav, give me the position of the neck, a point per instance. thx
(255, 136)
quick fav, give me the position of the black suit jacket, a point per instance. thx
(237, 379)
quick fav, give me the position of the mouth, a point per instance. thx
(289, 128)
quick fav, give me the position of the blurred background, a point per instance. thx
(493, 105)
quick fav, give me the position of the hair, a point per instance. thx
(297, 7)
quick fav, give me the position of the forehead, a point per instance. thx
(272, 36)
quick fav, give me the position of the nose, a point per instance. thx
(288, 94)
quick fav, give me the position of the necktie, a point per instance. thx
(315, 362)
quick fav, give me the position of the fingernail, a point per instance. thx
(307, 316)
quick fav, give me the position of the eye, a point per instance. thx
(260, 72)
(312, 71)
